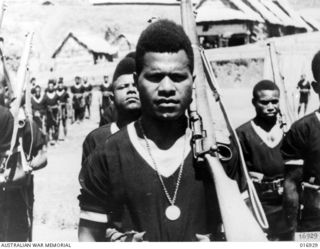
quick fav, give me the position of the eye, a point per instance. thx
(154, 77)
(178, 77)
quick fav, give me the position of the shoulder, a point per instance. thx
(304, 122)
(244, 127)
(103, 131)
(118, 139)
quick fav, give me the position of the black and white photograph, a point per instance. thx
(159, 121)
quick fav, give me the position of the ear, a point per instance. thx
(316, 87)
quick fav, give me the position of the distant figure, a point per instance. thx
(87, 95)
(63, 98)
(52, 112)
(33, 85)
(38, 108)
(78, 99)
(107, 108)
(304, 89)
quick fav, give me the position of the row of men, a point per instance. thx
(50, 108)
(139, 180)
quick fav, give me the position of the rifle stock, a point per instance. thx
(239, 223)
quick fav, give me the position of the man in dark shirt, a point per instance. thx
(51, 104)
(78, 99)
(304, 90)
(38, 108)
(63, 99)
(108, 111)
(143, 184)
(301, 154)
(126, 100)
(260, 139)
(87, 95)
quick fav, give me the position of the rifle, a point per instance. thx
(9, 173)
(287, 117)
(235, 214)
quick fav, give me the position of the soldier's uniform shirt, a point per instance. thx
(77, 89)
(267, 160)
(37, 104)
(63, 95)
(78, 102)
(106, 101)
(87, 87)
(97, 138)
(119, 176)
(51, 104)
(301, 146)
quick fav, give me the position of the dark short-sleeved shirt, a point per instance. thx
(63, 95)
(37, 104)
(76, 90)
(50, 100)
(87, 87)
(302, 146)
(116, 177)
(305, 86)
(258, 155)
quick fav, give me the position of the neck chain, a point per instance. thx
(172, 212)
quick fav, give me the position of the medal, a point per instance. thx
(173, 212)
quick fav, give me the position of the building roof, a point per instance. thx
(264, 12)
(285, 6)
(150, 2)
(278, 12)
(247, 10)
(219, 10)
(93, 43)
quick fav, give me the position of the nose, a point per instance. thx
(166, 87)
(270, 106)
(132, 89)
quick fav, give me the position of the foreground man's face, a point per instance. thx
(267, 103)
(165, 85)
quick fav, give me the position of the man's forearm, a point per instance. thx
(291, 202)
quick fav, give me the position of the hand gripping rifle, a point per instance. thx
(239, 223)
(9, 173)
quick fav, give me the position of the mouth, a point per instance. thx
(132, 99)
(166, 102)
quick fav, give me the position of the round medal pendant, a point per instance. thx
(173, 212)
